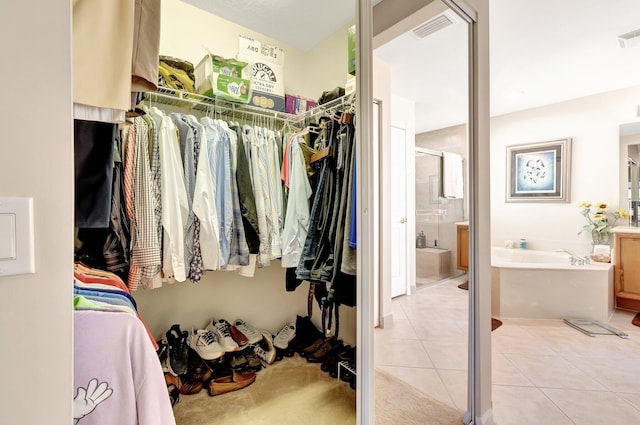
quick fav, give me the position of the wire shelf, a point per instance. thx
(182, 99)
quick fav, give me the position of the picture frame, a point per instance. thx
(539, 172)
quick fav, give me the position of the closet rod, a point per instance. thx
(167, 96)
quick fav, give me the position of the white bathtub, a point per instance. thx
(543, 285)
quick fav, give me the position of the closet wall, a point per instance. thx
(187, 32)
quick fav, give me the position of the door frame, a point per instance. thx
(479, 368)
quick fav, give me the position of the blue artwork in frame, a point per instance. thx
(538, 172)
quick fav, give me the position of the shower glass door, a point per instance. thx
(435, 221)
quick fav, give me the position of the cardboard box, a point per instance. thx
(296, 104)
(220, 77)
(267, 72)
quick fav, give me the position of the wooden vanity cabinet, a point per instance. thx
(627, 270)
(462, 261)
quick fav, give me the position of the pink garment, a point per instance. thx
(118, 378)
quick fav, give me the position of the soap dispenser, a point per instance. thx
(421, 240)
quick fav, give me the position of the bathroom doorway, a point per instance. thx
(435, 221)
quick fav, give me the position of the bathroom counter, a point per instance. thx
(625, 229)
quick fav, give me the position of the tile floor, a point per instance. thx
(544, 372)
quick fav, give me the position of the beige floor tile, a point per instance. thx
(505, 373)
(447, 355)
(397, 310)
(634, 399)
(617, 375)
(553, 372)
(509, 339)
(525, 406)
(399, 329)
(456, 383)
(594, 407)
(401, 352)
(426, 380)
(442, 330)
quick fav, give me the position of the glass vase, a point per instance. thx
(601, 238)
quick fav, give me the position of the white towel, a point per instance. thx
(452, 179)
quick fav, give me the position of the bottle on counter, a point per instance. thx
(523, 243)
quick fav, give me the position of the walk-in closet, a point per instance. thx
(220, 219)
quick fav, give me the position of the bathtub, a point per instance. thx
(543, 285)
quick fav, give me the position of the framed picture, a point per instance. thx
(539, 172)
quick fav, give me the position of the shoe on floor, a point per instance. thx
(265, 349)
(240, 381)
(206, 344)
(221, 329)
(252, 334)
(176, 341)
(285, 335)
(185, 385)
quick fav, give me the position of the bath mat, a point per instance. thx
(636, 320)
(495, 324)
(464, 285)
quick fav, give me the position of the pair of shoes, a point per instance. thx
(330, 363)
(252, 334)
(176, 341)
(327, 347)
(306, 334)
(205, 343)
(222, 330)
(237, 382)
(264, 349)
(286, 334)
(183, 383)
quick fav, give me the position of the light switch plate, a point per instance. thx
(16, 236)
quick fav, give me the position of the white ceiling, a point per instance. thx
(542, 52)
(299, 23)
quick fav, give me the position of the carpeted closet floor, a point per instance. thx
(291, 391)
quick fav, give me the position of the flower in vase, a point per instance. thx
(600, 220)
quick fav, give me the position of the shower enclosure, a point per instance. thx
(435, 218)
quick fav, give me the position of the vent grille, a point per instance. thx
(630, 39)
(432, 25)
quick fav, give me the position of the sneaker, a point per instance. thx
(236, 361)
(285, 335)
(265, 349)
(205, 343)
(185, 385)
(198, 370)
(252, 334)
(254, 364)
(221, 329)
(176, 341)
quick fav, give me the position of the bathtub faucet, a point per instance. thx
(574, 259)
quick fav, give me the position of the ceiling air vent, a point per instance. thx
(630, 39)
(432, 25)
